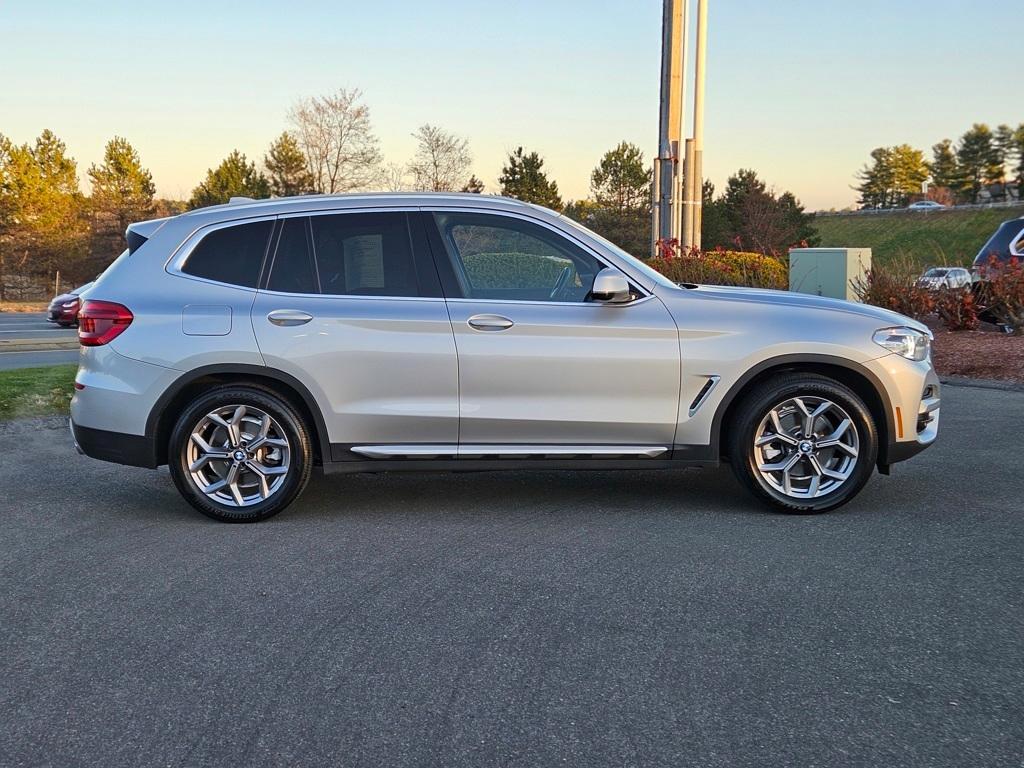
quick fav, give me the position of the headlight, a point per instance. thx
(907, 342)
(70, 304)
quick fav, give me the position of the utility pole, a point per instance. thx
(666, 194)
(677, 190)
(693, 164)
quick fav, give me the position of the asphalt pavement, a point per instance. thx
(517, 619)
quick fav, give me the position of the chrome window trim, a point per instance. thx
(602, 258)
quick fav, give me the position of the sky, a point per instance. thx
(800, 91)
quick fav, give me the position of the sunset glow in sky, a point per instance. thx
(801, 91)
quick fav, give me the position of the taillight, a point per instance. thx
(100, 322)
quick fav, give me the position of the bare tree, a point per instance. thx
(393, 178)
(442, 160)
(337, 138)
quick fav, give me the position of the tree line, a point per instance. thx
(982, 164)
(329, 147)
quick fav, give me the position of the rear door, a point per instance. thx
(539, 363)
(351, 306)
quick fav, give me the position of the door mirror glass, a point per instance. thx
(610, 286)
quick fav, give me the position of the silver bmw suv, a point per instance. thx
(245, 344)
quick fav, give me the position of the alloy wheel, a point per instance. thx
(806, 447)
(238, 455)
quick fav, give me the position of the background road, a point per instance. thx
(521, 619)
(32, 327)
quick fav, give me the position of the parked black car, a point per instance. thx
(1006, 243)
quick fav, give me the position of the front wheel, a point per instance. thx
(803, 443)
(240, 454)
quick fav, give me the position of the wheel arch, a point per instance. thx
(862, 381)
(169, 405)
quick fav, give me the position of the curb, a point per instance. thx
(37, 345)
(965, 381)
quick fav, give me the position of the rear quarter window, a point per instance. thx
(232, 255)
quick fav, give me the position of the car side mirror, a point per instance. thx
(610, 286)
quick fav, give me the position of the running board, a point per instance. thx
(516, 451)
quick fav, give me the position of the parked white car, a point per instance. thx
(937, 278)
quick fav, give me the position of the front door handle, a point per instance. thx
(489, 322)
(288, 317)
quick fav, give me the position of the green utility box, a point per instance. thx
(827, 271)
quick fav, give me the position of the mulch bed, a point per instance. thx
(986, 353)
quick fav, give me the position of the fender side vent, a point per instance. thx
(702, 396)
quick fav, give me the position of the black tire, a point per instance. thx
(755, 407)
(294, 430)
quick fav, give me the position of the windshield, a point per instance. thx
(935, 273)
(634, 262)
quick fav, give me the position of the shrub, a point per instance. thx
(957, 308)
(1006, 289)
(895, 287)
(722, 268)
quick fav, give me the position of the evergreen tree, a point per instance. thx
(621, 188)
(122, 193)
(286, 166)
(978, 160)
(234, 177)
(1018, 144)
(42, 221)
(944, 168)
(474, 185)
(894, 175)
(1003, 150)
(754, 218)
(523, 178)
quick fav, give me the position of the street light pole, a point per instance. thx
(696, 198)
(666, 195)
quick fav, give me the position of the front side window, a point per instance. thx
(364, 254)
(504, 258)
(232, 255)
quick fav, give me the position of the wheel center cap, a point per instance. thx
(805, 446)
(239, 455)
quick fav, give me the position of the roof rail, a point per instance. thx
(240, 200)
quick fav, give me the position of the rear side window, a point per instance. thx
(293, 265)
(232, 255)
(364, 254)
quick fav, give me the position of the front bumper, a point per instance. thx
(913, 393)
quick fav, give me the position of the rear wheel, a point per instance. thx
(240, 454)
(803, 443)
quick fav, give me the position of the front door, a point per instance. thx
(539, 364)
(352, 308)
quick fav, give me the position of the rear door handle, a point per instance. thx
(489, 322)
(288, 317)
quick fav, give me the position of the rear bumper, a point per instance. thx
(118, 447)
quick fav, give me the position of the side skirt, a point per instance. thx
(683, 456)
